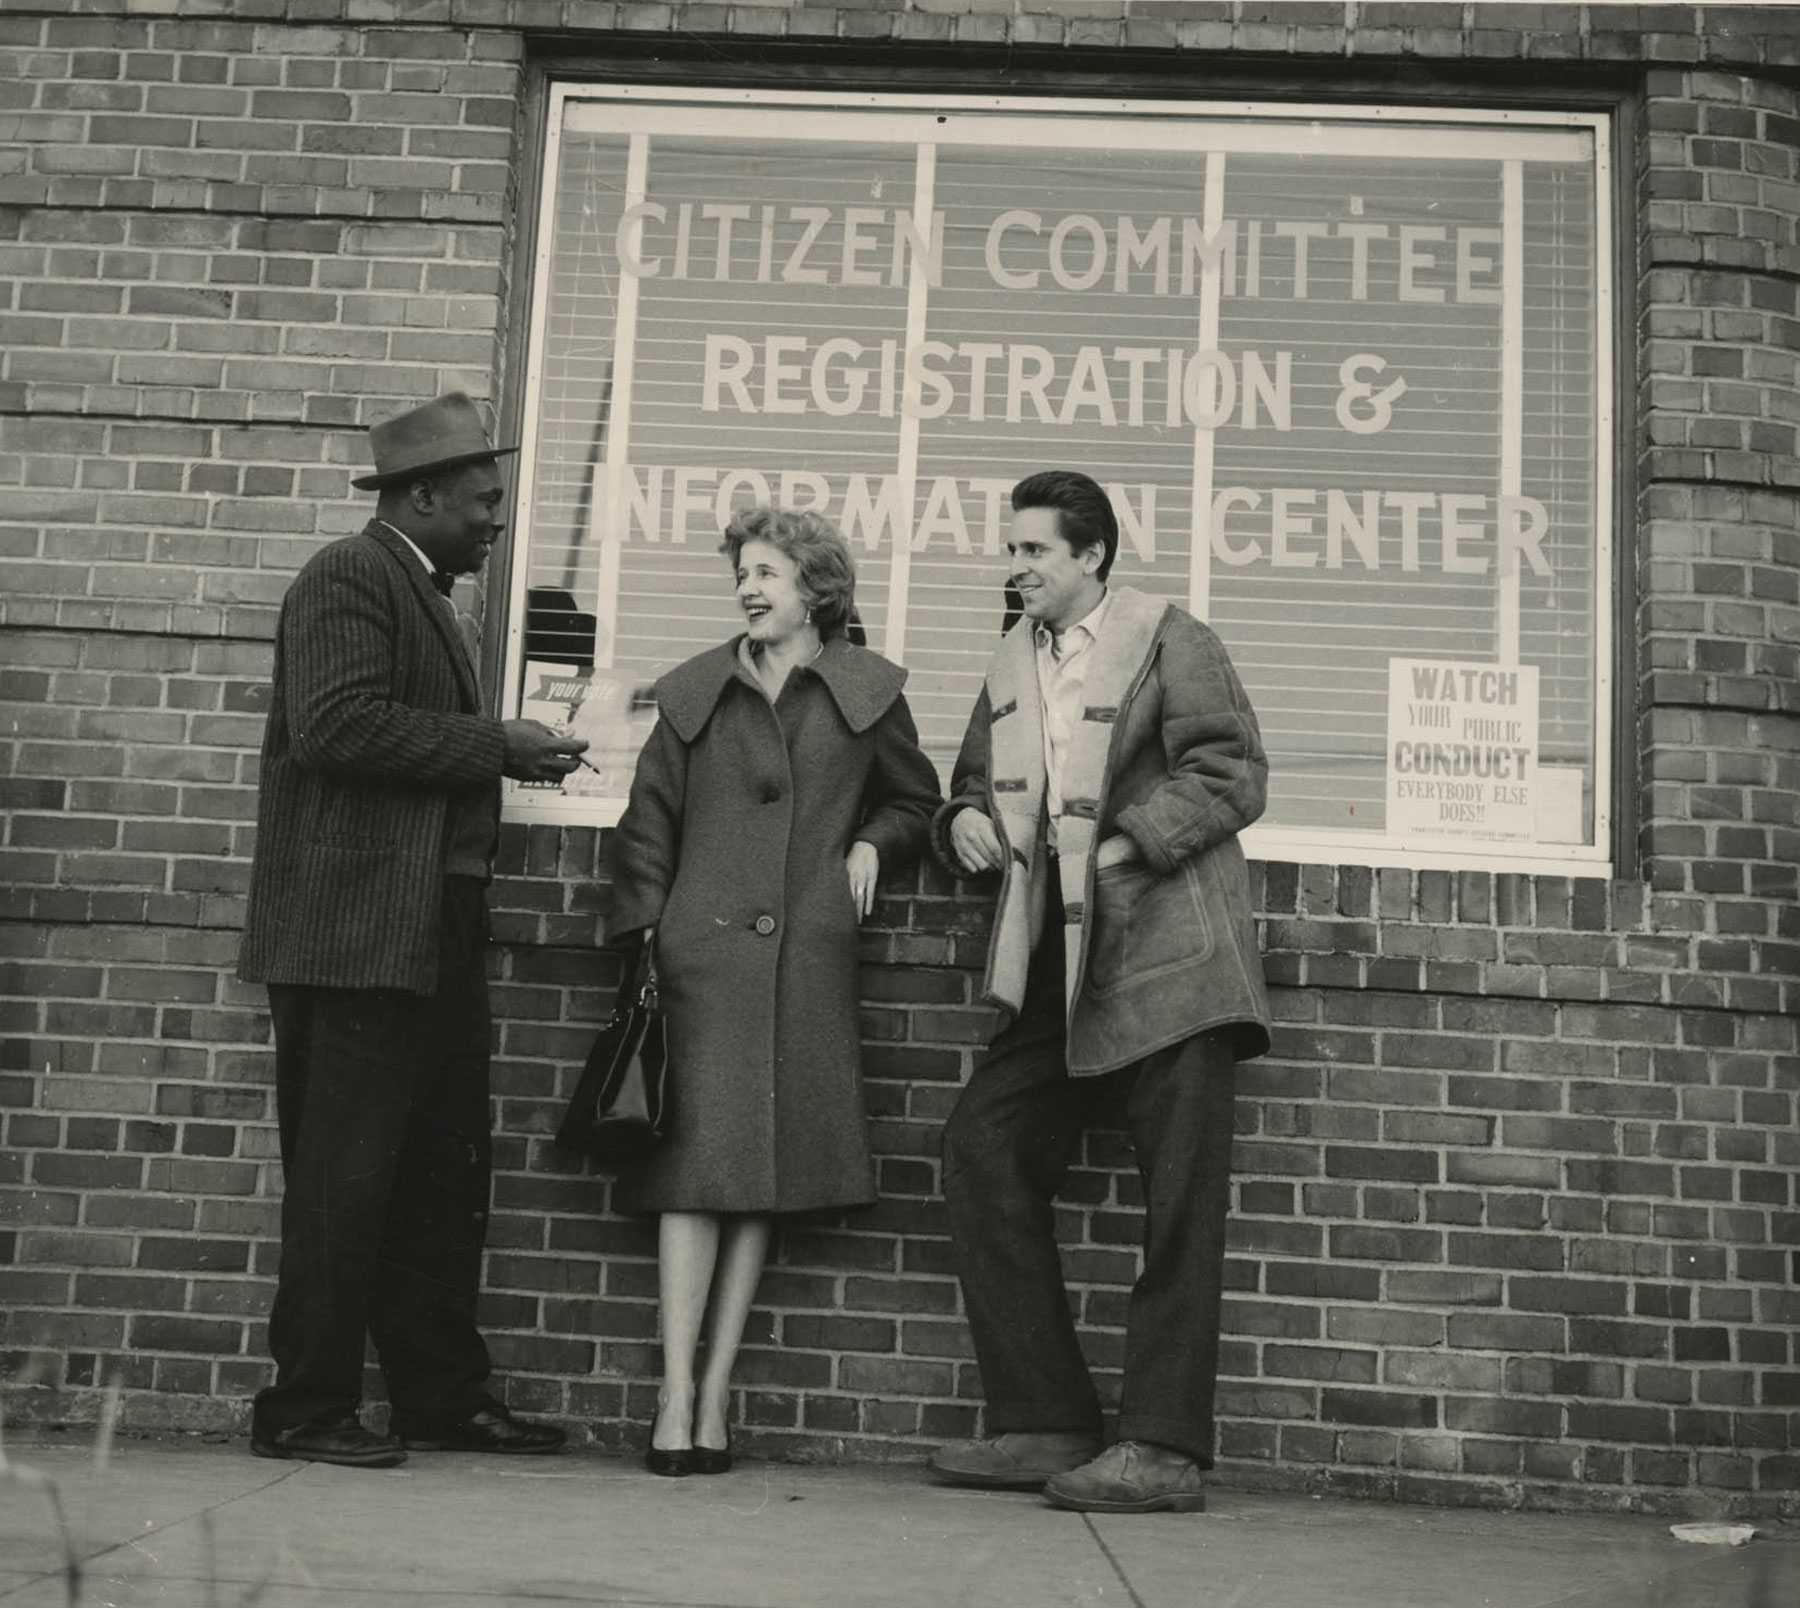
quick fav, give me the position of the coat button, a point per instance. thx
(765, 925)
(771, 794)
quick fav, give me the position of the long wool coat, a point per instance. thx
(374, 733)
(1167, 752)
(732, 847)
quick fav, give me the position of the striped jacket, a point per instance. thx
(374, 728)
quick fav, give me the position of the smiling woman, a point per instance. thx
(783, 556)
(783, 776)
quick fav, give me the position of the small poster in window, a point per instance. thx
(1561, 802)
(613, 712)
(1462, 749)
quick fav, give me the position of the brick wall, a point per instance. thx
(1515, 1204)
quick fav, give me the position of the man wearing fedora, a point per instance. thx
(376, 825)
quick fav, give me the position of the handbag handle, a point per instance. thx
(638, 980)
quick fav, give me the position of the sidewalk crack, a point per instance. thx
(1112, 1558)
(197, 1514)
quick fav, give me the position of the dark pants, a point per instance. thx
(383, 1104)
(1007, 1148)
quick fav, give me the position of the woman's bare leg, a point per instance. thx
(743, 1248)
(687, 1249)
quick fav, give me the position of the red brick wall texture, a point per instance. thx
(1515, 1200)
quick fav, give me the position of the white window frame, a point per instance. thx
(1213, 129)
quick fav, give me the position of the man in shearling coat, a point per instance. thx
(379, 806)
(1109, 765)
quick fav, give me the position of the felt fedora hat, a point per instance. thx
(439, 435)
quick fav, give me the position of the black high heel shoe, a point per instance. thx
(672, 1465)
(674, 1462)
(710, 1460)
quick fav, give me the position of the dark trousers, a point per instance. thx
(1008, 1146)
(382, 1099)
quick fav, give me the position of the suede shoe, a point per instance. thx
(1019, 1461)
(336, 1440)
(1131, 1477)
(489, 1429)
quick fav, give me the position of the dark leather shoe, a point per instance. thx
(339, 1440)
(492, 1429)
(1018, 1461)
(1131, 1477)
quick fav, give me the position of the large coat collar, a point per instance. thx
(862, 684)
(432, 602)
(1016, 781)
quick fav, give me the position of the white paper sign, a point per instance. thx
(1559, 792)
(612, 711)
(1462, 743)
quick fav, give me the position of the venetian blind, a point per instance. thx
(1298, 364)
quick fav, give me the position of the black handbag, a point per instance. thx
(620, 1109)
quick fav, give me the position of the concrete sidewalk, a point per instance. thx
(165, 1518)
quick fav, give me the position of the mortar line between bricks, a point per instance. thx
(156, 1529)
(261, 215)
(137, 630)
(195, 636)
(1745, 485)
(1702, 708)
(1117, 1568)
(158, 419)
(1652, 264)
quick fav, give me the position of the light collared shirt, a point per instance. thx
(430, 568)
(473, 825)
(1062, 674)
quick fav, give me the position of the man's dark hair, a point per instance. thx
(1085, 517)
(393, 501)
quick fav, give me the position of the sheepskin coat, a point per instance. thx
(732, 847)
(1167, 752)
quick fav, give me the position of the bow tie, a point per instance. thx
(442, 581)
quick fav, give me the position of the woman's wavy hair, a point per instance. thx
(811, 541)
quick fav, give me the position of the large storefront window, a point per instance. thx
(1346, 374)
